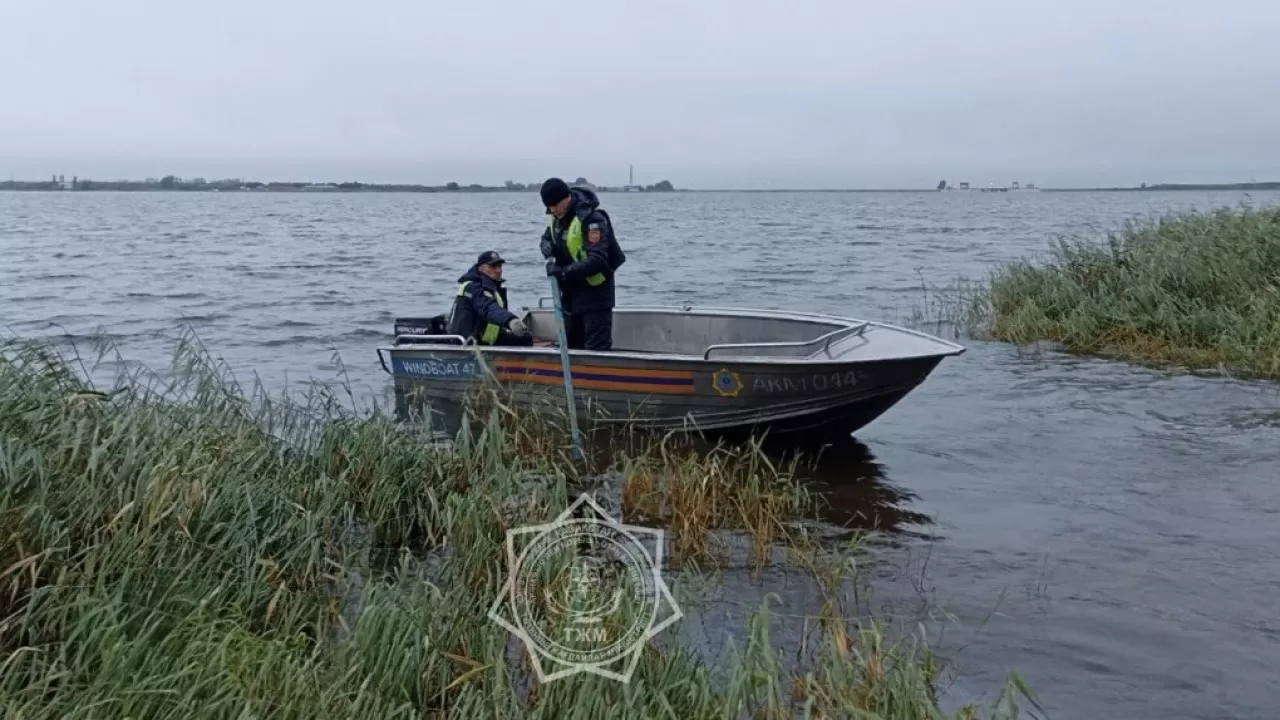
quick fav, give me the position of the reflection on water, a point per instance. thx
(850, 485)
(854, 488)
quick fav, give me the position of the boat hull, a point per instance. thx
(710, 371)
(706, 397)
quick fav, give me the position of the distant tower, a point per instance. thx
(631, 174)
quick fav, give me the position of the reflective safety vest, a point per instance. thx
(490, 334)
(573, 241)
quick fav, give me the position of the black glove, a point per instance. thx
(547, 250)
(554, 270)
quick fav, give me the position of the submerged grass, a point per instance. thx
(1197, 290)
(181, 548)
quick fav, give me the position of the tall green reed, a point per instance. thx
(178, 546)
(1197, 290)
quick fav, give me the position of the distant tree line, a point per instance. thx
(174, 183)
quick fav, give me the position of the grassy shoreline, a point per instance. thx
(1192, 290)
(188, 549)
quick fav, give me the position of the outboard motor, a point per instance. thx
(437, 325)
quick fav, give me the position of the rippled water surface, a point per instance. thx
(1110, 532)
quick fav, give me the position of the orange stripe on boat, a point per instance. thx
(599, 377)
(591, 384)
(621, 372)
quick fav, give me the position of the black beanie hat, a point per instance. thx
(553, 191)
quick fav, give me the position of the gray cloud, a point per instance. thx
(707, 93)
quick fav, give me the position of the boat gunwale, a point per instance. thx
(952, 350)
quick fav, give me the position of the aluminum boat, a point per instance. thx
(707, 370)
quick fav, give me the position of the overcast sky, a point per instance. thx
(706, 93)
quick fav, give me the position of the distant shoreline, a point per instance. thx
(173, 185)
(169, 183)
(1162, 187)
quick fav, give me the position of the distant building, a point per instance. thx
(631, 185)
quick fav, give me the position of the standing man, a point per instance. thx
(583, 254)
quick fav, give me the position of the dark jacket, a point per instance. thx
(474, 308)
(604, 257)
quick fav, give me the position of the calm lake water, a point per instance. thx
(1108, 531)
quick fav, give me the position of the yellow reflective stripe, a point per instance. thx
(573, 242)
(496, 297)
(490, 334)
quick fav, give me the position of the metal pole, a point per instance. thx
(564, 364)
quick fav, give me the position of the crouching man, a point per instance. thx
(480, 308)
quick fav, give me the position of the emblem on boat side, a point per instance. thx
(728, 384)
